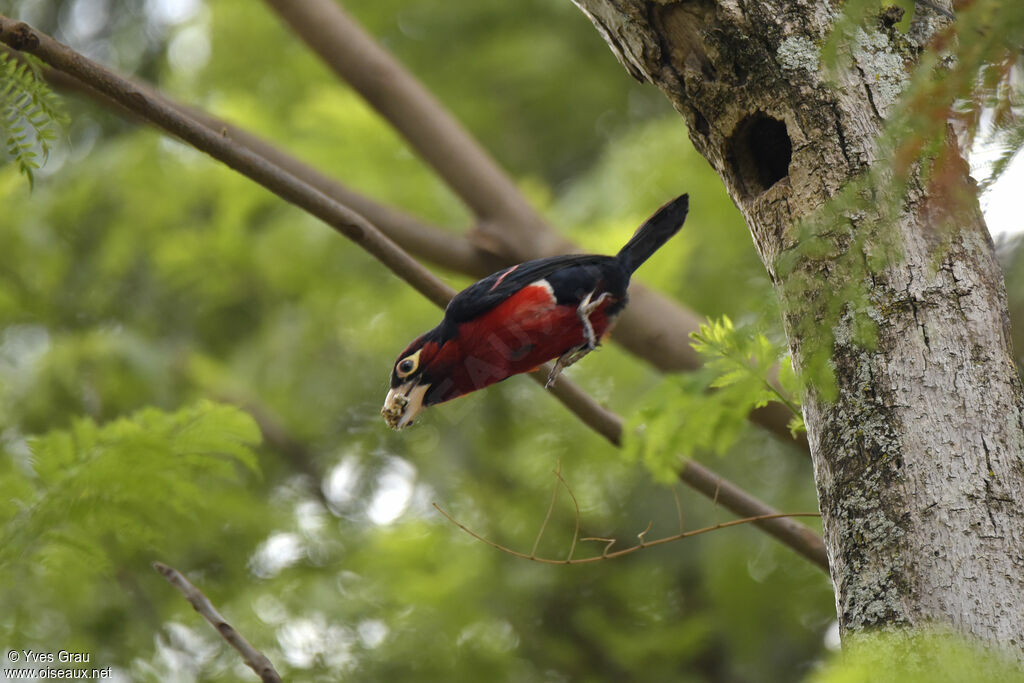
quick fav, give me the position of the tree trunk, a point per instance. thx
(918, 455)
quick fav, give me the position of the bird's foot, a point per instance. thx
(571, 356)
(586, 307)
(576, 353)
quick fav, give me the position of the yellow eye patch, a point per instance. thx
(408, 365)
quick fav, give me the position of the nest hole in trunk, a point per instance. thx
(760, 151)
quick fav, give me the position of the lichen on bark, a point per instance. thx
(796, 53)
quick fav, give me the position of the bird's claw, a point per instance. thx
(560, 365)
(584, 310)
(575, 354)
(568, 358)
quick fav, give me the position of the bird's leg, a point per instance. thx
(576, 353)
(584, 310)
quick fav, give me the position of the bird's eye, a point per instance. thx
(407, 366)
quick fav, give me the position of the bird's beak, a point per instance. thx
(403, 404)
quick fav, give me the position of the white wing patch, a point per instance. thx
(544, 284)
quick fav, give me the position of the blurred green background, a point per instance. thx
(139, 273)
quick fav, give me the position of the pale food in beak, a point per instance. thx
(403, 404)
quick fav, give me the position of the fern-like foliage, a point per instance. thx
(30, 113)
(94, 495)
(707, 410)
(740, 357)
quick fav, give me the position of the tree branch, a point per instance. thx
(21, 36)
(254, 659)
(414, 112)
(654, 327)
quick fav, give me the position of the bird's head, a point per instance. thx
(419, 378)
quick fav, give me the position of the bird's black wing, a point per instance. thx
(484, 295)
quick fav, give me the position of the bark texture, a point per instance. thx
(918, 460)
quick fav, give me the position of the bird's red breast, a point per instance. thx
(523, 332)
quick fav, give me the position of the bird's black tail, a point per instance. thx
(665, 222)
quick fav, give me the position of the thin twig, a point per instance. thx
(21, 36)
(782, 398)
(679, 509)
(643, 534)
(547, 517)
(576, 505)
(253, 658)
(606, 554)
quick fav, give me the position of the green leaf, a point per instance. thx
(25, 98)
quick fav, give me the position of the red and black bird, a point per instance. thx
(520, 318)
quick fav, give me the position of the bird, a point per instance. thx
(519, 318)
